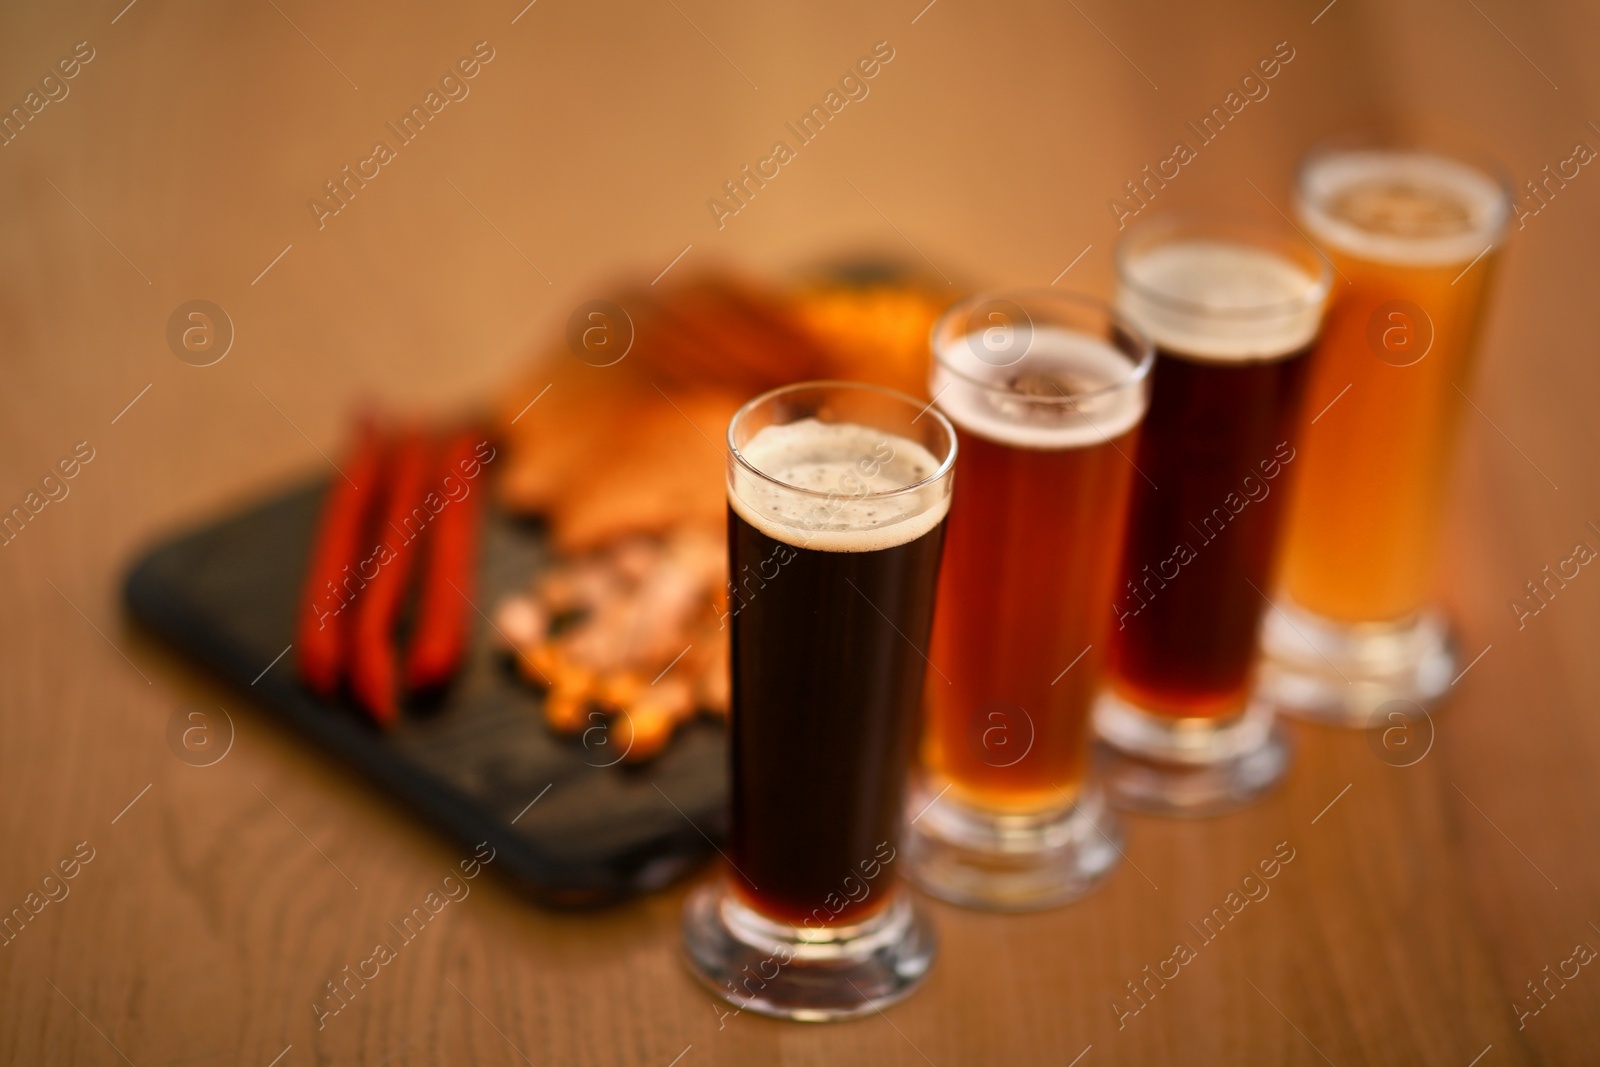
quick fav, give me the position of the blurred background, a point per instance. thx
(181, 162)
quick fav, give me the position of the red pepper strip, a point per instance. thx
(374, 672)
(347, 509)
(439, 638)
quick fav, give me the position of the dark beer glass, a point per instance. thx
(1234, 311)
(1046, 391)
(837, 495)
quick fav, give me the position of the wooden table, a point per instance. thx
(179, 165)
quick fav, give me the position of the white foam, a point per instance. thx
(1221, 301)
(1068, 390)
(833, 475)
(1440, 211)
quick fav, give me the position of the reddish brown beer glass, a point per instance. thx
(1046, 391)
(1233, 309)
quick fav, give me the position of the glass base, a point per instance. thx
(1346, 674)
(1166, 766)
(1004, 862)
(793, 972)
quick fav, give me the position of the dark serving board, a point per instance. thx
(226, 595)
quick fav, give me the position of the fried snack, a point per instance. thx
(644, 642)
(706, 346)
(716, 331)
(551, 427)
(662, 468)
(644, 727)
(877, 333)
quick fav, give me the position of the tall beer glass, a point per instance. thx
(1233, 309)
(837, 495)
(1046, 391)
(1412, 234)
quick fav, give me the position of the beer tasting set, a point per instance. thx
(867, 591)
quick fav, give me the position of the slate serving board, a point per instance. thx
(226, 596)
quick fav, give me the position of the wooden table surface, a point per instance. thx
(179, 165)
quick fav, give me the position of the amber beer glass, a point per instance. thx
(1412, 233)
(837, 495)
(1046, 392)
(1233, 309)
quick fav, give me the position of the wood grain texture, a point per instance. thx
(180, 165)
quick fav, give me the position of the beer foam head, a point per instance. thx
(1409, 208)
(837, 486)
(1067, 390)
(1220, 300)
